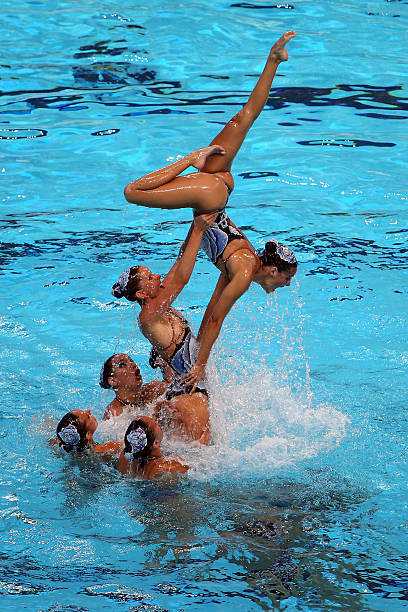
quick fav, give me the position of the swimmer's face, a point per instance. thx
(87, 420)
(149, 283)
(274, 279)
(125, 372)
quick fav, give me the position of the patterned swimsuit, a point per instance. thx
(184, 357)
(218, 236)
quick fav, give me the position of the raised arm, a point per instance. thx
(180, 273)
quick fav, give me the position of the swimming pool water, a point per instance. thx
(301, 503)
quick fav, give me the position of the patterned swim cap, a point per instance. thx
(138, 441)
(69, 435)
(119, 288)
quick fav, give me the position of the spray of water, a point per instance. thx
(264, 416)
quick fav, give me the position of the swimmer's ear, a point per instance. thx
(269, 270)
(140, 295)
(111, 381)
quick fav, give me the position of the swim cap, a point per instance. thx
(284, 252)
(138, 441)
(119, 288)
(69, 435)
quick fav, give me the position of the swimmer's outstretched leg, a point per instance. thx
(164, 188)
(233, 134)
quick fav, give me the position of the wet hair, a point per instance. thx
(127, 284)
(106, 372)
(279, 255)
(142, 456)
(70, 427)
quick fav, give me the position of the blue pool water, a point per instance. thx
(301, 503)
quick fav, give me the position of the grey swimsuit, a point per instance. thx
(218, 236)
(184, 357)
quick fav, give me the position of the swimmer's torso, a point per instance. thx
(224, 243)
(165, 332)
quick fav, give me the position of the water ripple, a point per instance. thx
(19, 133)
(103, 247)
(364, 97)
(345, 142)
(248, 5)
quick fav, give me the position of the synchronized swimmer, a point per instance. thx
(174, 347)
(208, 190)
(180, 401)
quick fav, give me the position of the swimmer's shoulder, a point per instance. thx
(166, 465)
(107, 447)
(241, 259)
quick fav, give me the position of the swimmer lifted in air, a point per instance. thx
(208, 190)
(174, 348)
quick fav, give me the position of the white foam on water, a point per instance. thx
(259, 425)
(115, 427)
(264, 416)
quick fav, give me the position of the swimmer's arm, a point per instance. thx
(208, 334)
(152, 390)
(123, 464)
(108, 447)
(219, 288)
(169, 466)
(183, 246)
(179, 275)
(112, 410)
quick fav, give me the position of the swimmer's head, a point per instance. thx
(75, 430)
(120, 371)
(278, 266)
(142, 437)
(136, 284)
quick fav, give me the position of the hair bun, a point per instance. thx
(277, 254)
(117, 290)
(67, 447)
(271, 246)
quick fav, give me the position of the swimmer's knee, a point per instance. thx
(245, 118)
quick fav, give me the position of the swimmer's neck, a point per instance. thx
(259, 273)
(129, 397)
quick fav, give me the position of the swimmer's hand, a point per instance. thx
(199, 157)
(203, 222)
(191, 380)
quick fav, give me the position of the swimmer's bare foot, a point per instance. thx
(278, 52)
(200, 156)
